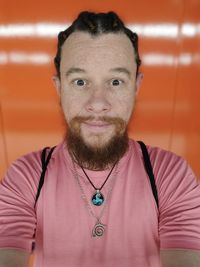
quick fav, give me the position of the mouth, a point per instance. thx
(96, 125)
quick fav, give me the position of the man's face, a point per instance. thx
(97, 85)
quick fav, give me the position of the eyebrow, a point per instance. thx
(74, 70)
(121, 70)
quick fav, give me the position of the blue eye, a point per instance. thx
(80, 82)
(116, 82)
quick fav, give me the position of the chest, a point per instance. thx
(66, 220)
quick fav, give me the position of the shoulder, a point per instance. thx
(171, 169)
(168, 164)
(159, 157)
(172, 173)
(31, 162)
(24, 173)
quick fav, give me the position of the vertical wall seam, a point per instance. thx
(179, 49)
(5, 148)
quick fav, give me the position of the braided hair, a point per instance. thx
(96, 24)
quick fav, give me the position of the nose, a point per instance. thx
(98, 102)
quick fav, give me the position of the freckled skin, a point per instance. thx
(92, 91)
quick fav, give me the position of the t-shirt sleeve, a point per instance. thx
(17, 195)
(179, 202)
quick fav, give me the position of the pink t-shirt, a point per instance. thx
(135, 229)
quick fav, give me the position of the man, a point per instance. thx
(96, 206)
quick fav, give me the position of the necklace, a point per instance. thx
(98, 198)
(99, 228)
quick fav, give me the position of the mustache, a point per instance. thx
(119, 124)
(107, 119)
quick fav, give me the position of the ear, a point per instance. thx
(57, 84)
(139, 79)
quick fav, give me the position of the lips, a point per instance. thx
(96, 125)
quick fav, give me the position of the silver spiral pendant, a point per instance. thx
(98, 229)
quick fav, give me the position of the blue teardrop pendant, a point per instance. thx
(97, 198)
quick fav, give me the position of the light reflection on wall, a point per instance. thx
(24, 58)
(50, 30)
(41, 58)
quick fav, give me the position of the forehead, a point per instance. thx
(108, 49)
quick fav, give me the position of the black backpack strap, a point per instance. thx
(149, 170)
(45, 161)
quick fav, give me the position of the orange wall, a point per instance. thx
(168, 107)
